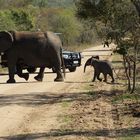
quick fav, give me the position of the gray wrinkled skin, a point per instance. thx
(100, 66)
(37, 49)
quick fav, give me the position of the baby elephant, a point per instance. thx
(100, 66)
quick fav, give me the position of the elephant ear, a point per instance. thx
(6, 40)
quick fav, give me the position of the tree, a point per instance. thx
(64, 21)
(39, 3)
(22, 19)
(6, 22)
(120, 19)
(137, 5)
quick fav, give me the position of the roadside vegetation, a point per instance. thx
(44, 15)
(101, 110)
(82, 24)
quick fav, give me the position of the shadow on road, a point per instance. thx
(57, 133)
(41, 98)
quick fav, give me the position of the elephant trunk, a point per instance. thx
(88, 63)
(85, 67)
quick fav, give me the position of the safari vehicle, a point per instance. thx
(71, 61)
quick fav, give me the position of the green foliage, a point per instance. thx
(17, 19)
(63, 21)
(126, 96)
(22, 19)
(36, 3)
(121, 50)
(68, 26)
(117, 15)
(123, 47)
(88, 33)
(6, 22)
(91, 9)
(4, 4)
(46, 15)
(60, 3)
(39, 3)
(122, 16)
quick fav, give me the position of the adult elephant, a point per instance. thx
(36, 49)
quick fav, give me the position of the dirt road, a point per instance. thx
(32, 110)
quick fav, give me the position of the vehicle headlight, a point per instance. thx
(65, 56)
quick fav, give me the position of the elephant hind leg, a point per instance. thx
(59, 77)
(22, 75)
(111, 74)
(57, 66)
(105, 77)
(40, 75)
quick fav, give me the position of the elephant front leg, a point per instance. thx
(11, 70)
(12, 60)
(40, 75)
(94, 77)
(105, 77)
(59, 77)
(111, 74)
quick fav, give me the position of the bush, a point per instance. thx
(64, 21)
(6, 22)
(22, 19)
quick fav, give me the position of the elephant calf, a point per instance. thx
(100, 66)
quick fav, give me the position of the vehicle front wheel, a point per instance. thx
(72, 69)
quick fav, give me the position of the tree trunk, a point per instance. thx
(126, 72)
(129, 69)
(134, 69)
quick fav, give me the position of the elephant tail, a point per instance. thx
(63, 64)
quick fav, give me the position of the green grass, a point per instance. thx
(65, 104)
(66, 119)
(130, 138)
(126, 96)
